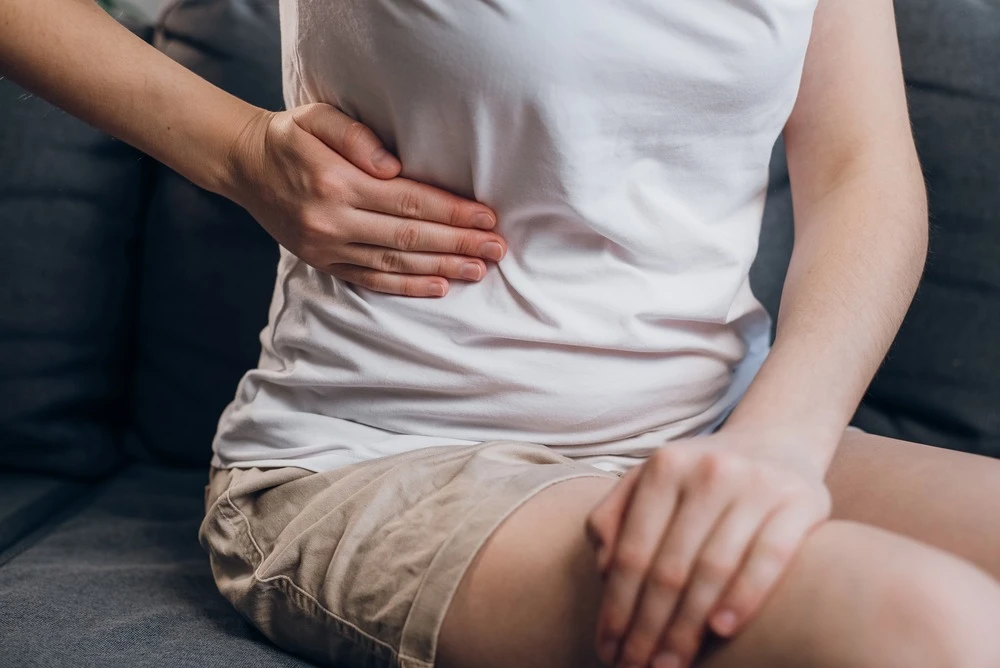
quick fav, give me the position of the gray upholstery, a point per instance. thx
(70, 201)
(123, 583)
(208, 268)
(27, 501)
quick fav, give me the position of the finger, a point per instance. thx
(409, 199)
(648, 514)
(772, 551)
(352, 139)
(707, 493)
(605, 520)
(715, 567)
(401, 262)
(418, 235)
(393, 284)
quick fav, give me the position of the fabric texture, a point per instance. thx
(27, 501)
(621, 316)
(122, 583)
(207, 266)
(357, 566)
(70, 202)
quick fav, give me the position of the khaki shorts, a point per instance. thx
(357, 566)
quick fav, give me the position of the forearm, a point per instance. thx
(859, 252)
(76, 56)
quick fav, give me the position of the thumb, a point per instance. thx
(353, 140)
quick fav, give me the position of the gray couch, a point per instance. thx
(130, 304)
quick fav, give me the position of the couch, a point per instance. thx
(131, 301)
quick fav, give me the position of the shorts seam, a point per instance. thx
(270, 581)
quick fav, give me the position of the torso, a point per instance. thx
(624, 145)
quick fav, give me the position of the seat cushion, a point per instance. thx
(70, 203)
(208, 268)
(27, 501)
(123, 582)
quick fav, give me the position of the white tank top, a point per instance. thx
(624, 145)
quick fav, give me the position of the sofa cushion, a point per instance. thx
(28, 501)
(940, 383)
(70, 201)
(208, 268)
(123, 582)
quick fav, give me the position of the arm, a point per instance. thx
(860, 236)
(698, 535)
(319, 182)
(79, 58)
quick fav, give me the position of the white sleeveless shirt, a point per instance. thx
(624, 145)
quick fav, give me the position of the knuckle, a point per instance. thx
(776, 553)
(447, 266)
(616, 620)
(637, 648)
(326, 185)
(356, 135)
(411, 287)
(669, 576)
(390, 261)
(714, 468)
(716, 570)
(407, 237)
(683, 639)
(408, 203)
(629, 559)
(663, 463)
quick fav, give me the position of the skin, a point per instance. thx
(699, 535)
(721, 551)
(891, 592)
(318, 181)
(727, 534)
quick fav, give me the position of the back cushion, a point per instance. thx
(70, 201)
(207, 267)
(941, 381)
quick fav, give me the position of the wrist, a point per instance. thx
(237, 163)
(808, 446)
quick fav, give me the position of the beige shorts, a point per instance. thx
(357, 566)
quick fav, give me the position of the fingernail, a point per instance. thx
(382, 159)
(667, 660)
(471, 271)
(608, 651)
(483, 221)
(491, 250)
(435, 290)
(724, 622)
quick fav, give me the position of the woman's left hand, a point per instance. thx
(695, 538)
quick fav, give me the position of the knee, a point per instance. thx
(939, 612)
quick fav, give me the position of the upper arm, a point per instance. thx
(851, 110)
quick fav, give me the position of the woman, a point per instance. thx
(583, 452)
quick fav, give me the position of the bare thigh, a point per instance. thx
(943, 498)
(855, 597)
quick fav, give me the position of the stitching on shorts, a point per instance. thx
(291, 583)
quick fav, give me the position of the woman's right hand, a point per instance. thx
(323, 186)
